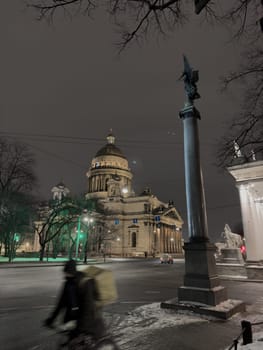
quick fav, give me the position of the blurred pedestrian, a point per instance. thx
(68, 300)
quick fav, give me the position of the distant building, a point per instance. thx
(143, 224)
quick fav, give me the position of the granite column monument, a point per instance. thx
(201, 291)
(201, 282)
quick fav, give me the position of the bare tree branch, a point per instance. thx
(143, 14)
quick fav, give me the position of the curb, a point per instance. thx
(233, 278)
(46, 264)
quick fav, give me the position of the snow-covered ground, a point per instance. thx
(143, 320)
(256, 345)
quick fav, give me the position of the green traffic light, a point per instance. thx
(16, 237)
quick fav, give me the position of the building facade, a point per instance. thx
(143, 224)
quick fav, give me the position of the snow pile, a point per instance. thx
(142, 321)
(147, 318)
(225, 305)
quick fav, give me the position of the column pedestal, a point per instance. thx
(201, 282)
(202, 292)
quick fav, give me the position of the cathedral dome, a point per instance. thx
(110, 149)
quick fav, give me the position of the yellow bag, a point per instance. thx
(105, 284)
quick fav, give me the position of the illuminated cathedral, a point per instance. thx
(143, 225)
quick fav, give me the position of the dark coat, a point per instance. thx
(68, 301)
(90, 316)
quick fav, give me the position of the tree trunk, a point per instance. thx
(6, 247)
(10, 255)
(11, 250)
(85, 252)
(42, 252)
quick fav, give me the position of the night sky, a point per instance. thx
(67, 83)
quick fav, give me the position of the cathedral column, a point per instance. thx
(164, 239)
(97, 183)
(104, 183)
(93, 184)
(158, 233)
(161, 238)
(173, 239)
(249, 181)
(169, 239)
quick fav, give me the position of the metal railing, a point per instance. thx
(246, 333)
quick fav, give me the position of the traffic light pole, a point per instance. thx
(77, 239)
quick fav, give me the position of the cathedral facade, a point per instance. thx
(143, 224)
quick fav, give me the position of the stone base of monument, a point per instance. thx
(207, 296)
(232, 270)
(231, 263)
(202, 292)
(231, 256)
(201, 282)
(223, 310)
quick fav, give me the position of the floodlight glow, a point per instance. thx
(125, 190)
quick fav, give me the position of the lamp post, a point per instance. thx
(88, 221)
(82, 219)
(77, 239)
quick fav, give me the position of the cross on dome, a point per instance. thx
(111, 138)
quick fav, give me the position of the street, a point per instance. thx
(28, 294)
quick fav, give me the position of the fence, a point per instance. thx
(246, 333)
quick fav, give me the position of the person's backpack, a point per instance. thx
(105, 284)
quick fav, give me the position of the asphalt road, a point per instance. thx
(28, 294)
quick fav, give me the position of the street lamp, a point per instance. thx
(88, 221)
(81, 219)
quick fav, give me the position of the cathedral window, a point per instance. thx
(134, 240)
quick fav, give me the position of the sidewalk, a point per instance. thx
(150, 328)
(34, 262)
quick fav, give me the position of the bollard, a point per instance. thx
(247, 332)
